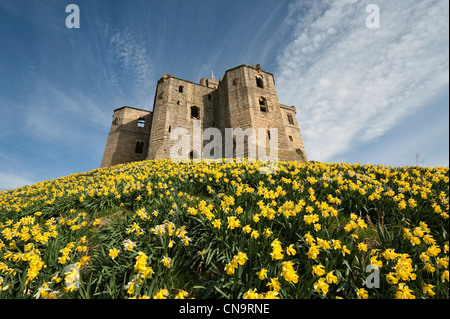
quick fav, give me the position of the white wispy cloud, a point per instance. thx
(131, 54)
(351, 83)
(125, 66)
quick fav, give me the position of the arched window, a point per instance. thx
(259, 82)
(263, 104)
(139, 147)
(141, 122)
(180, 89)
(195, 112)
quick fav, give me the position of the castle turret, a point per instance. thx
(248, 99)
(180, 104)
(128, 137)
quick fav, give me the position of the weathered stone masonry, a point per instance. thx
(244, 98)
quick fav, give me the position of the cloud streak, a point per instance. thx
(125, 70)
(131, 55)
(351, 84)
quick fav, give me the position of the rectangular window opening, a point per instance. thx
(263, 104)
(141, 122)
(139, 147)
(259, 82)
(290, 119)
(195, 112)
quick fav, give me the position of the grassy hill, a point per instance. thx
(158, 229)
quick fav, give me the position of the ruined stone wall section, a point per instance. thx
(293, 131)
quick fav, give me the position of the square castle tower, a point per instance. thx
(244, 98)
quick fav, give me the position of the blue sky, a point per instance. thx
(377, 95)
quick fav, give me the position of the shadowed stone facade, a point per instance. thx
(244, 98)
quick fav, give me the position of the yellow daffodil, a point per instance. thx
(274, 284)
(362, 247)
(262, 274)
(290, 250)
(318, 270)
(128, 244)
(251, 294)
(362, 293)
(161, 294)
(404, 292)
(331, 278)
(313, 252)
(247, 229)
(277, 250)
(216, 223)
(321, 286)
(181, 294)
(345, 250)
(428, 289)
(167, 262)
(288, 272)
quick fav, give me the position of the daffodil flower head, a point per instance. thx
(167, 262)
(129, 245)
(72, 279)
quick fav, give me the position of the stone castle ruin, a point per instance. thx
(244, 98)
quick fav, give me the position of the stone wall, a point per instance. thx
(178, 104)
(293, 131)
(253, 103)
(126, 131)
(244, 98)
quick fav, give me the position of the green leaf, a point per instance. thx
(222, 292)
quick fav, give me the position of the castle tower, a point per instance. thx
(128, 137)
(248, 99)
(180, 104)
